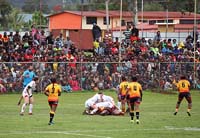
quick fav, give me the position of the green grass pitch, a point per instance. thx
(156, 118)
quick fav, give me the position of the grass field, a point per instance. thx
(156, 120)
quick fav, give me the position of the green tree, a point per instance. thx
(15, 20)
(5, 10)
(153, 7)
(38, 18)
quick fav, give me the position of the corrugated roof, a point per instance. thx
(161, 14)
(146, 14)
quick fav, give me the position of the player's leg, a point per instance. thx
(26, 102)
(137, 111)
(53, 107)
(131, 103)
(31, 100)
(123, 105)
(180, 98)
(189, 100)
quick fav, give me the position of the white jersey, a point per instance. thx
(104, 105)
(28, 90)
(107, 98)
(93, 100)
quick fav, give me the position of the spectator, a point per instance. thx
(157, 37)
(96, 32)
(134, 34)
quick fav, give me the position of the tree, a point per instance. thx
(5, 10)
(15, 20)
(38, 18)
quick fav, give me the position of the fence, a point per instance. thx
(160, 76)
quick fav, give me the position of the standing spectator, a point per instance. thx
(53, 90)
(10, 38)
(5, 39)
(30, 38)
(157, 37)
(134, 34)
(50, 39)
(183, 86)
(68, 43)
(134, 91)
(17, 38)
(96, 32)
(28, 75)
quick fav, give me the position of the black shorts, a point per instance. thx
(53, 102)
(184, 94)
(135, 100)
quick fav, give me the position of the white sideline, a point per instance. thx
(53, 132)
(183, 128)
(78, 132)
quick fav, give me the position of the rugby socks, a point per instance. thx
(132, 115)
(51, 116)
(137, 115)
(23, 107)
(30, 108)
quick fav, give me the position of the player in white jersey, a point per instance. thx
(91, 102)
(27, 95)
(101, 106)
(107, 98)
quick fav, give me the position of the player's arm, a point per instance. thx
(59, 93)
(46, 92)
(59, 90)
(127, 92)
(141, 92)
(20, 99)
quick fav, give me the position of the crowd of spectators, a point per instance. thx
(156, 61)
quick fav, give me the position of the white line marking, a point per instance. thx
(53, 132)
(183, 128)
(78, 132)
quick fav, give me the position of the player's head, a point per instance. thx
(123, 78)
(134, 78)
(30, 68)
(53, 80)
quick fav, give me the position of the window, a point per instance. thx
(104, 20)
(152, 22)
(188, 21)
(91, 20)
(164, 21)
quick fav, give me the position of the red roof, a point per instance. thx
(146, 14)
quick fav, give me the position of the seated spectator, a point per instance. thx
(167, 85)
(66, 87)
(74, 83)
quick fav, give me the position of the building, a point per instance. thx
(78, 24)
